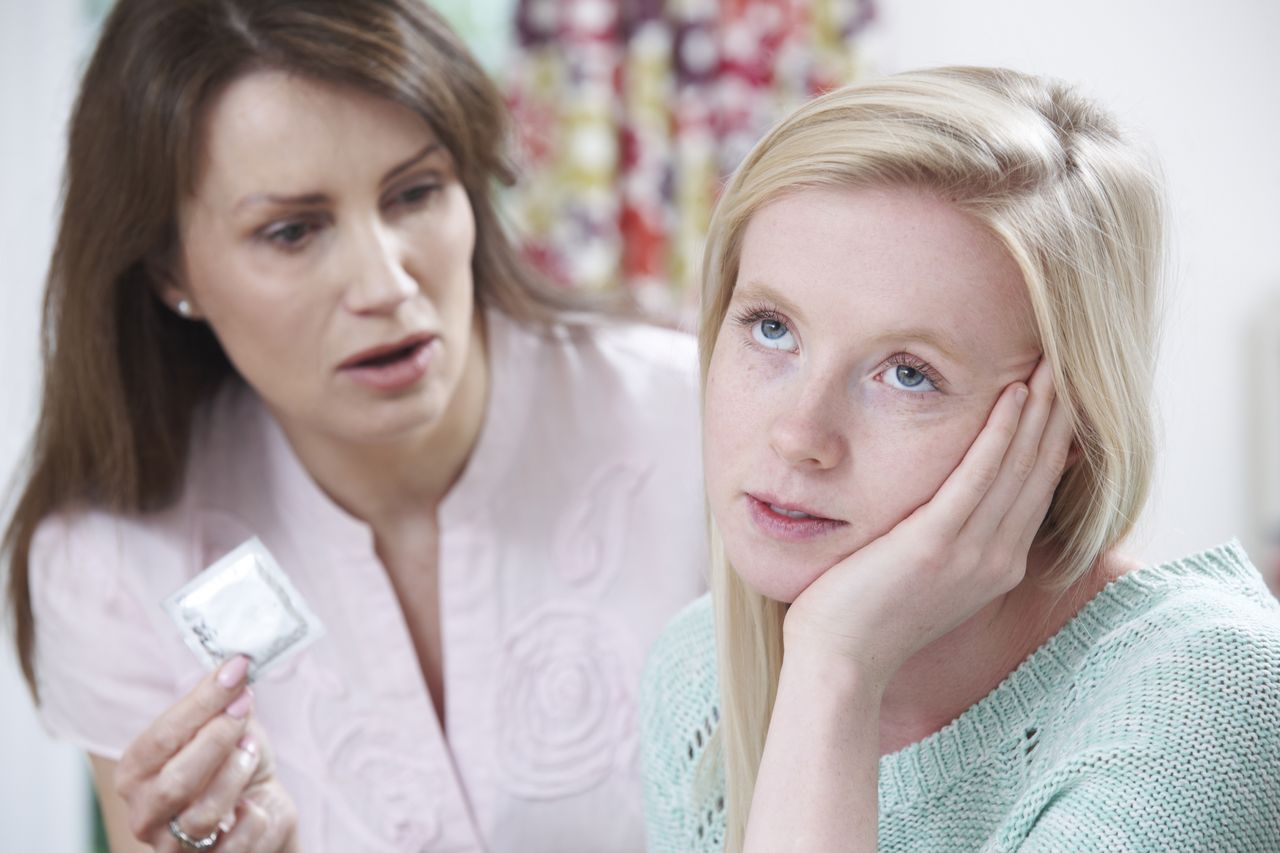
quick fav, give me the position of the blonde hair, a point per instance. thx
(1078, 208)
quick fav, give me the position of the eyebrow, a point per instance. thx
(946, 345)
(316, 199)
(942, 343)
(756, 289)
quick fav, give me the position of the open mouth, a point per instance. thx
(790, 513)
(392, 367)
(390, 357)
(388, 354)
(784, 522)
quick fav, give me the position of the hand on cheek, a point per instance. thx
(946, 560)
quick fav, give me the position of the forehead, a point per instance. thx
(871, 260)
(279, 130)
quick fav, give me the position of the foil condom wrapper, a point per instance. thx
(244, 604)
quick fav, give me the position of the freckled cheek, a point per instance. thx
(906, 464)
(721, 435)
(736, 414)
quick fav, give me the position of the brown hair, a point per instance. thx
(122, 375)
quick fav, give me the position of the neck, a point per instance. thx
(954, 672)
(390, 483)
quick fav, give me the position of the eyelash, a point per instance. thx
(906, 359)
(411, 197)
(749, 315)
(426, 190)
(274, 234)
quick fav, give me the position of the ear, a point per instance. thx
(1073, 456)
(168, 284)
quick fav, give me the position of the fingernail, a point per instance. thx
(233, 671)
(248, 754)
(227, 823)
(240, 707)
(1020, 395)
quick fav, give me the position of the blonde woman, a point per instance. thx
(927, 348)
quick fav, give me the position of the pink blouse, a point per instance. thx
(575, 531)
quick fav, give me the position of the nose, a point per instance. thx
(808, 433)
(379, 280)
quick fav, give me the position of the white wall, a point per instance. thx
(43, 785)
(1201, 82)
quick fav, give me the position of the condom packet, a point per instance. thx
(244, 604)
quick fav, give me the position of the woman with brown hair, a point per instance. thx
(281, 304)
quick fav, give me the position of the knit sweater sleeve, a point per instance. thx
(1172, 743)
(678, 715)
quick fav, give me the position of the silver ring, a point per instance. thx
(192, 843)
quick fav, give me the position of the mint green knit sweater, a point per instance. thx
(1151, 721)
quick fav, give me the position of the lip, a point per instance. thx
(397, 375)
(778, 526)
(374, 352)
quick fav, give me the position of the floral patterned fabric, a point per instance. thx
(631, 113)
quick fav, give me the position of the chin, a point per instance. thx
(779, 578)
(394, 420)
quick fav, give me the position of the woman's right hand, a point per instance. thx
(205, 764)
(847, 634)
(952, 556)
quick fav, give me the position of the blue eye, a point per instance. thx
(773, 333)
(768, 328)
(773, 329)
(908, 377)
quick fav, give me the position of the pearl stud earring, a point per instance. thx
(184, 308)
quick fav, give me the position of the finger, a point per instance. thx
(1024, 520)
(266, 762)
(966, 486)
(1019, 461)
(164, 841)
(173, 729)
(263, 824)
(250, 826)
(182, 780)
(222, 791)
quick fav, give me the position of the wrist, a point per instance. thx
(841, 658)
(816, 666)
